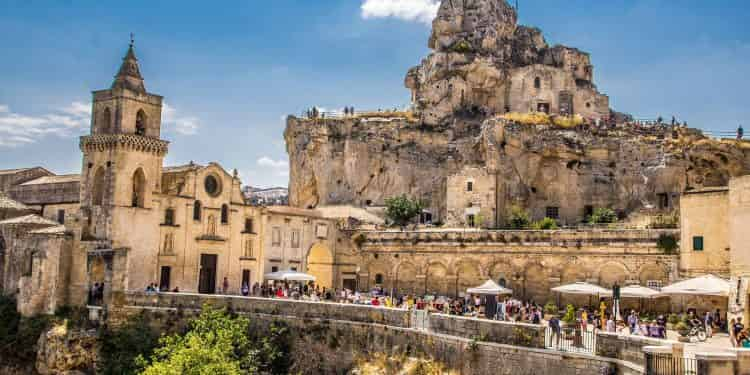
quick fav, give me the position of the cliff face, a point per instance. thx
(482, 65)
(628, 168)
(483, 61)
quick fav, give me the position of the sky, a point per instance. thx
(230, 74)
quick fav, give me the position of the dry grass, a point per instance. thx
(409, 115)
(541, 118)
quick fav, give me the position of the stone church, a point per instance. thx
(128, 221)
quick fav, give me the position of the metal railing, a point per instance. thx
(666, 364)
(573, 340)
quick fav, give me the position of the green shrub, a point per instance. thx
(18, 335)
(667, 243)
(120, 347)
(673, 318)
(682, 328)
(570, 315)
(400, 210)
(518, 218)
(550, 308)
(602, 216)
(545, 224)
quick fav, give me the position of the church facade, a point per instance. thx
(128, 221)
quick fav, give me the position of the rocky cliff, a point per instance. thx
(483, 65)
(362, 161)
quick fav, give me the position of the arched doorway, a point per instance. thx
(468, 276)
(612, 273)
(406, 279)
(435, 280)
(320, 265)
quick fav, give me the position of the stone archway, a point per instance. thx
(653, 272)
(467, 276)
(436, 279)
(611, 273)
(320, 265)
(406, 279)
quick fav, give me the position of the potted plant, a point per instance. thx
(569, 320)
(684, 330)
(550, 309)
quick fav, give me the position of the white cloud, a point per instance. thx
(265, 161)
(181, 125)
(408, 10)
(18, 129)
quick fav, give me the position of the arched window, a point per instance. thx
(224, 214)
(97, 192)
(140, 123)
(105, 122)
(139, 188)
(197, 210)
(537, 83)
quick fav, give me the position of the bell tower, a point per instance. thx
(122, 158)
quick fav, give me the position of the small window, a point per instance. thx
(698, 243)
(663, 201)
(379, 278)
(276, 236)
(470, 219)
(224, 214)
(197, 211)
(470, 186)
(274, 269)
(248, 225)
(169, 216)
(294, 269)
(295, 239)
(140, 123)
(248, 251)
(537, 83)
(553, 212)
(61, 216)
(588, 211)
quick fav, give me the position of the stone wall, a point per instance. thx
(446, 262)
(518, 334)
(625, 347)
(280, 307)
(332, 346)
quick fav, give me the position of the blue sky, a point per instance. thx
(231, 73)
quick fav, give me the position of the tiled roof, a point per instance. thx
(58, 229)
(7, 203)
(30, 219)
(54, 180)
(181, 168)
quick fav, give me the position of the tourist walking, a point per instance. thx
(554, 325)
(633, 321)
(737, 328)
(708, 322)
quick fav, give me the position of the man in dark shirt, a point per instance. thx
(554, 325)
(738, 327)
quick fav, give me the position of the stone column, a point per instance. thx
(716, 363)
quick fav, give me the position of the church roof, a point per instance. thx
(57, 229)
(129, 76)
(181, 168)
(7, 203)
(61, 179)
(12, 171)
(30, 219)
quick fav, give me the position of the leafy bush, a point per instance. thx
(400, 210)
(531, 118)
(120, 347)
(568, 121)
(545, 224)
(550, 308)
(570, 314)
(462, 46)
(667, 242)
(682, 328)
(673, 319)
(603, 216)
(18, 335)
(519, 218)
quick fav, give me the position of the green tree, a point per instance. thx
(401, 209)
(603, 216)
(122, 345)
(518, 218)
(216, 343)
(570, 314)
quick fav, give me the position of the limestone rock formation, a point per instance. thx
(483, 61)
(67, 351)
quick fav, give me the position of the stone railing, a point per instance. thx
(562, 238)
(281, 307)
(517, 334)
(628, 348)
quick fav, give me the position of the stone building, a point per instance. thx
(128, 221)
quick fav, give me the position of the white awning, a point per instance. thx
(637, 291)
(489, 287)
(289, 276)
(583, 289)
(707, 285)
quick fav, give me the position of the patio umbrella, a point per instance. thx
(707, 285)
(637, 291)
(489, 288)
(582, 288)
(289, 276)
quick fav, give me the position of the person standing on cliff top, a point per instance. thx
(740, 132)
